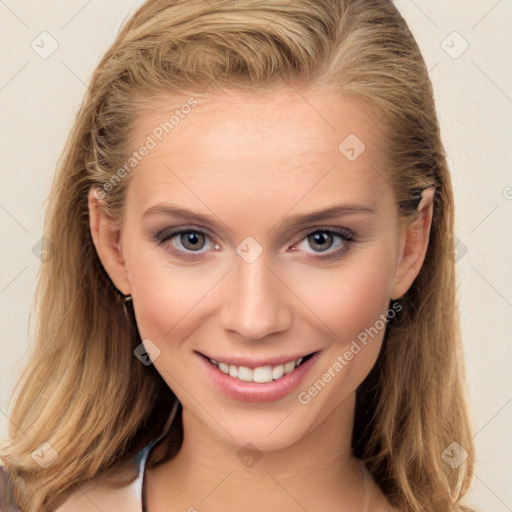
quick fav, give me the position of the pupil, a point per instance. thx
(320, 238)
(193, 239)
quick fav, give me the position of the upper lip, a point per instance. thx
(255, 363)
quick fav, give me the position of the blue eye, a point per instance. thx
(195, 240)
(322, 240)
(189, 242)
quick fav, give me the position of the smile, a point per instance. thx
(257, 381)
(259, 374)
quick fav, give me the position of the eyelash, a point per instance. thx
(347, 237)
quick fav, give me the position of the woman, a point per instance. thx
(196, 349)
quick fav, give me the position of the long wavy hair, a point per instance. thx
(85, 393)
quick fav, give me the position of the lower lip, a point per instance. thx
(255, 391)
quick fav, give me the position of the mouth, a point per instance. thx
(261, 374)
(257, 381)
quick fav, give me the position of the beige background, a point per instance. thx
(39, 98)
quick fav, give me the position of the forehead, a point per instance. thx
(281, 141)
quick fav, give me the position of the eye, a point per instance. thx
(184, 241)
(322, 240)
(192, 240)
(188, 242)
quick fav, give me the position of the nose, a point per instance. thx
(258, 302)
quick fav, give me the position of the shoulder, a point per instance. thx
(117, 490)
(7, 498)
(109, 493)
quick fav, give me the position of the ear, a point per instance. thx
(106, 235)
(415, 235)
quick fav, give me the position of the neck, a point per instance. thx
(210, 473)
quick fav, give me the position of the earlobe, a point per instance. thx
(414, 244)
(106, 236)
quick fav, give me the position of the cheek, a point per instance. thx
(351, 298)
(352, 304)
(168, 299)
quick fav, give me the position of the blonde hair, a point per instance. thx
(86, 394)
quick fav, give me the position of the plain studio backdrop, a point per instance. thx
(49, 51)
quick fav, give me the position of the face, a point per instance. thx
(254, 236)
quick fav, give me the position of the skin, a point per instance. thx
(251, 162)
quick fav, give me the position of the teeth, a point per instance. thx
(260, 374)
(289, 367)
(245, 373)
(223, 367)
(278, 371)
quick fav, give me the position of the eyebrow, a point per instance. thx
(293, 221)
